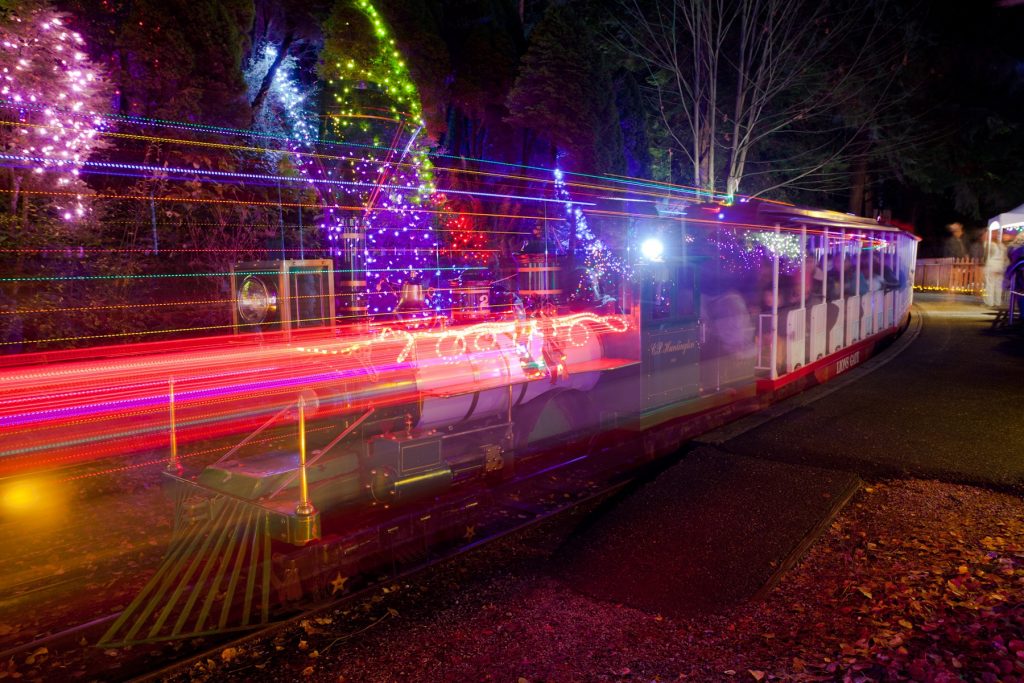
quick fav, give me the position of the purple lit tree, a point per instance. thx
(379, 181)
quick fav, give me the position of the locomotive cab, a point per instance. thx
(670, 326)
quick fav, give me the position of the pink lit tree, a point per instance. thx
(50, 93)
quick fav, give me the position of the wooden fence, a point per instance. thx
(964, 275)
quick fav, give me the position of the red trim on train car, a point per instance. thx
(829, 366)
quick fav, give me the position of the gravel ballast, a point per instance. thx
(915, 580)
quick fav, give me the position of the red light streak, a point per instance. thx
(71, 410)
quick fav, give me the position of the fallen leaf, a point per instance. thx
(758, 675)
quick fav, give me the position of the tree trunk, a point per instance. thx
(858, 186)
(122, 101)
(737, 157)
(268, 79)
(736, 175)
(16, 189)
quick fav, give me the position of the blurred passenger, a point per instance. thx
(835, 273)
(729, 353)
(861, 275)
(875, 274)
(1013, 281)
(537, 242)
(995, 267)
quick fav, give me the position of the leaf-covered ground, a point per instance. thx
(916, 580)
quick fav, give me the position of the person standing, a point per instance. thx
(954, 246)
(1013, 279)
(995, 267)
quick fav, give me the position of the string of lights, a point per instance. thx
(240, 177)
(542, 171)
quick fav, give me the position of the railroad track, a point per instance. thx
(537, 496)
(356, 597)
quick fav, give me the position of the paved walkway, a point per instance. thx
(945, 401)
(949, 406)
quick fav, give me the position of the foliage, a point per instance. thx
(49, 96)
(416, 26)
(971, 100)
(377, 115)
(348, 35)
(562, 89)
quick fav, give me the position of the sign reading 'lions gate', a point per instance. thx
(847, 362)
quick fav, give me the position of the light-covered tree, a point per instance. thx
(50, 95)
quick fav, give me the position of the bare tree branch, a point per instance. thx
(729, 76)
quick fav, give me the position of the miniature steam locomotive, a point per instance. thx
(385, 433)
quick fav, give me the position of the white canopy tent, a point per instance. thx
(1008, 221)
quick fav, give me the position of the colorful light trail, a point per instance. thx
(72, 410)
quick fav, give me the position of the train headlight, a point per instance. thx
(652, 249)
(256, 300)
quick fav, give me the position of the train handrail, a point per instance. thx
(251, 436)
(321, 453)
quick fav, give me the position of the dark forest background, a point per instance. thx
(931, 123)
(510, 80)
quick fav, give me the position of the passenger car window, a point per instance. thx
(686, 305)
(664, 293)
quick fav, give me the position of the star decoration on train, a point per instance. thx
(470, 532)
(338, 584)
